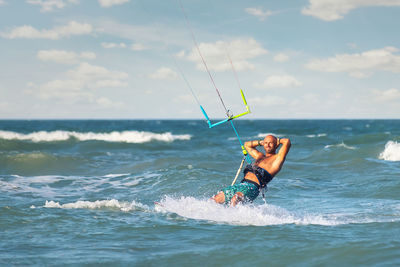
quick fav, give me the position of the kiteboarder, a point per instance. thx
(258, 174)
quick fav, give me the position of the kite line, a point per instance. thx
(229, 114)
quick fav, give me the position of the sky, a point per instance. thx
(137, 59)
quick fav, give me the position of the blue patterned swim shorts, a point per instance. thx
(249, 190)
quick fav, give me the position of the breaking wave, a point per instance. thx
(124, 136)
(391, 151)
(342, 145)
(316, 135)
(98, 204)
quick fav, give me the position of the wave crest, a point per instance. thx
(391, 151)
(124, 136)
(98, 204)
(341, 145)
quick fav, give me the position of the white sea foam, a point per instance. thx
(124, 136)
(257, 215)
(266, 214)
(112, 175)
(342, 145)
(37, 185)
(316, 135)
(391, 151)
(44, 179)
(98, 204)
(262, 215)
(45, 186)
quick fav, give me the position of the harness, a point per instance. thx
(263, 176)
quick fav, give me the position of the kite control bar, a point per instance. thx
(230, 118)
(210, 125)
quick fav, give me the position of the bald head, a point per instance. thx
(270, 138)
(270, 144)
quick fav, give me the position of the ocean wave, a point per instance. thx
(316, 135)
(98, 204)
(38, 186)
(33, 157)
(112, 175)
(124, 136)
(343, 145)
(391, 151)
(51, 186)
(263, 135)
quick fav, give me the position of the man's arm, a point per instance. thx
(284, 150)
(250, 146)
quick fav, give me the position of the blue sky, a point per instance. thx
(121, 58)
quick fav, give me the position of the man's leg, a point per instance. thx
(237, 197)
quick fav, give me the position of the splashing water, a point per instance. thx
(257, 215)
(391, 152)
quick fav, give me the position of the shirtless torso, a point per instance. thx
(271, 161)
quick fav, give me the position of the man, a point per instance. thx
(258, 175)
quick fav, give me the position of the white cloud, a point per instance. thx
(107, 103)
(258, 12)
(360, 65)
(2, 2)
(113, 45)
(61, 89)
(109, 3)
(181, 54)
(138, 47)
(216, 54)
(164, 74)
(4, 106)
(330, 10)
(64, 57)
(81, 84)
(110, 83)
(134, 47)
(29, 32)
(87, 55)
(281, 57)
(360, 74)
(50, 5)
(279, 81)
(390, 95)
(91, 74)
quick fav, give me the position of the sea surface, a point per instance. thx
(77, 192)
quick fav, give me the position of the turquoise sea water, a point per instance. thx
(83, 192)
